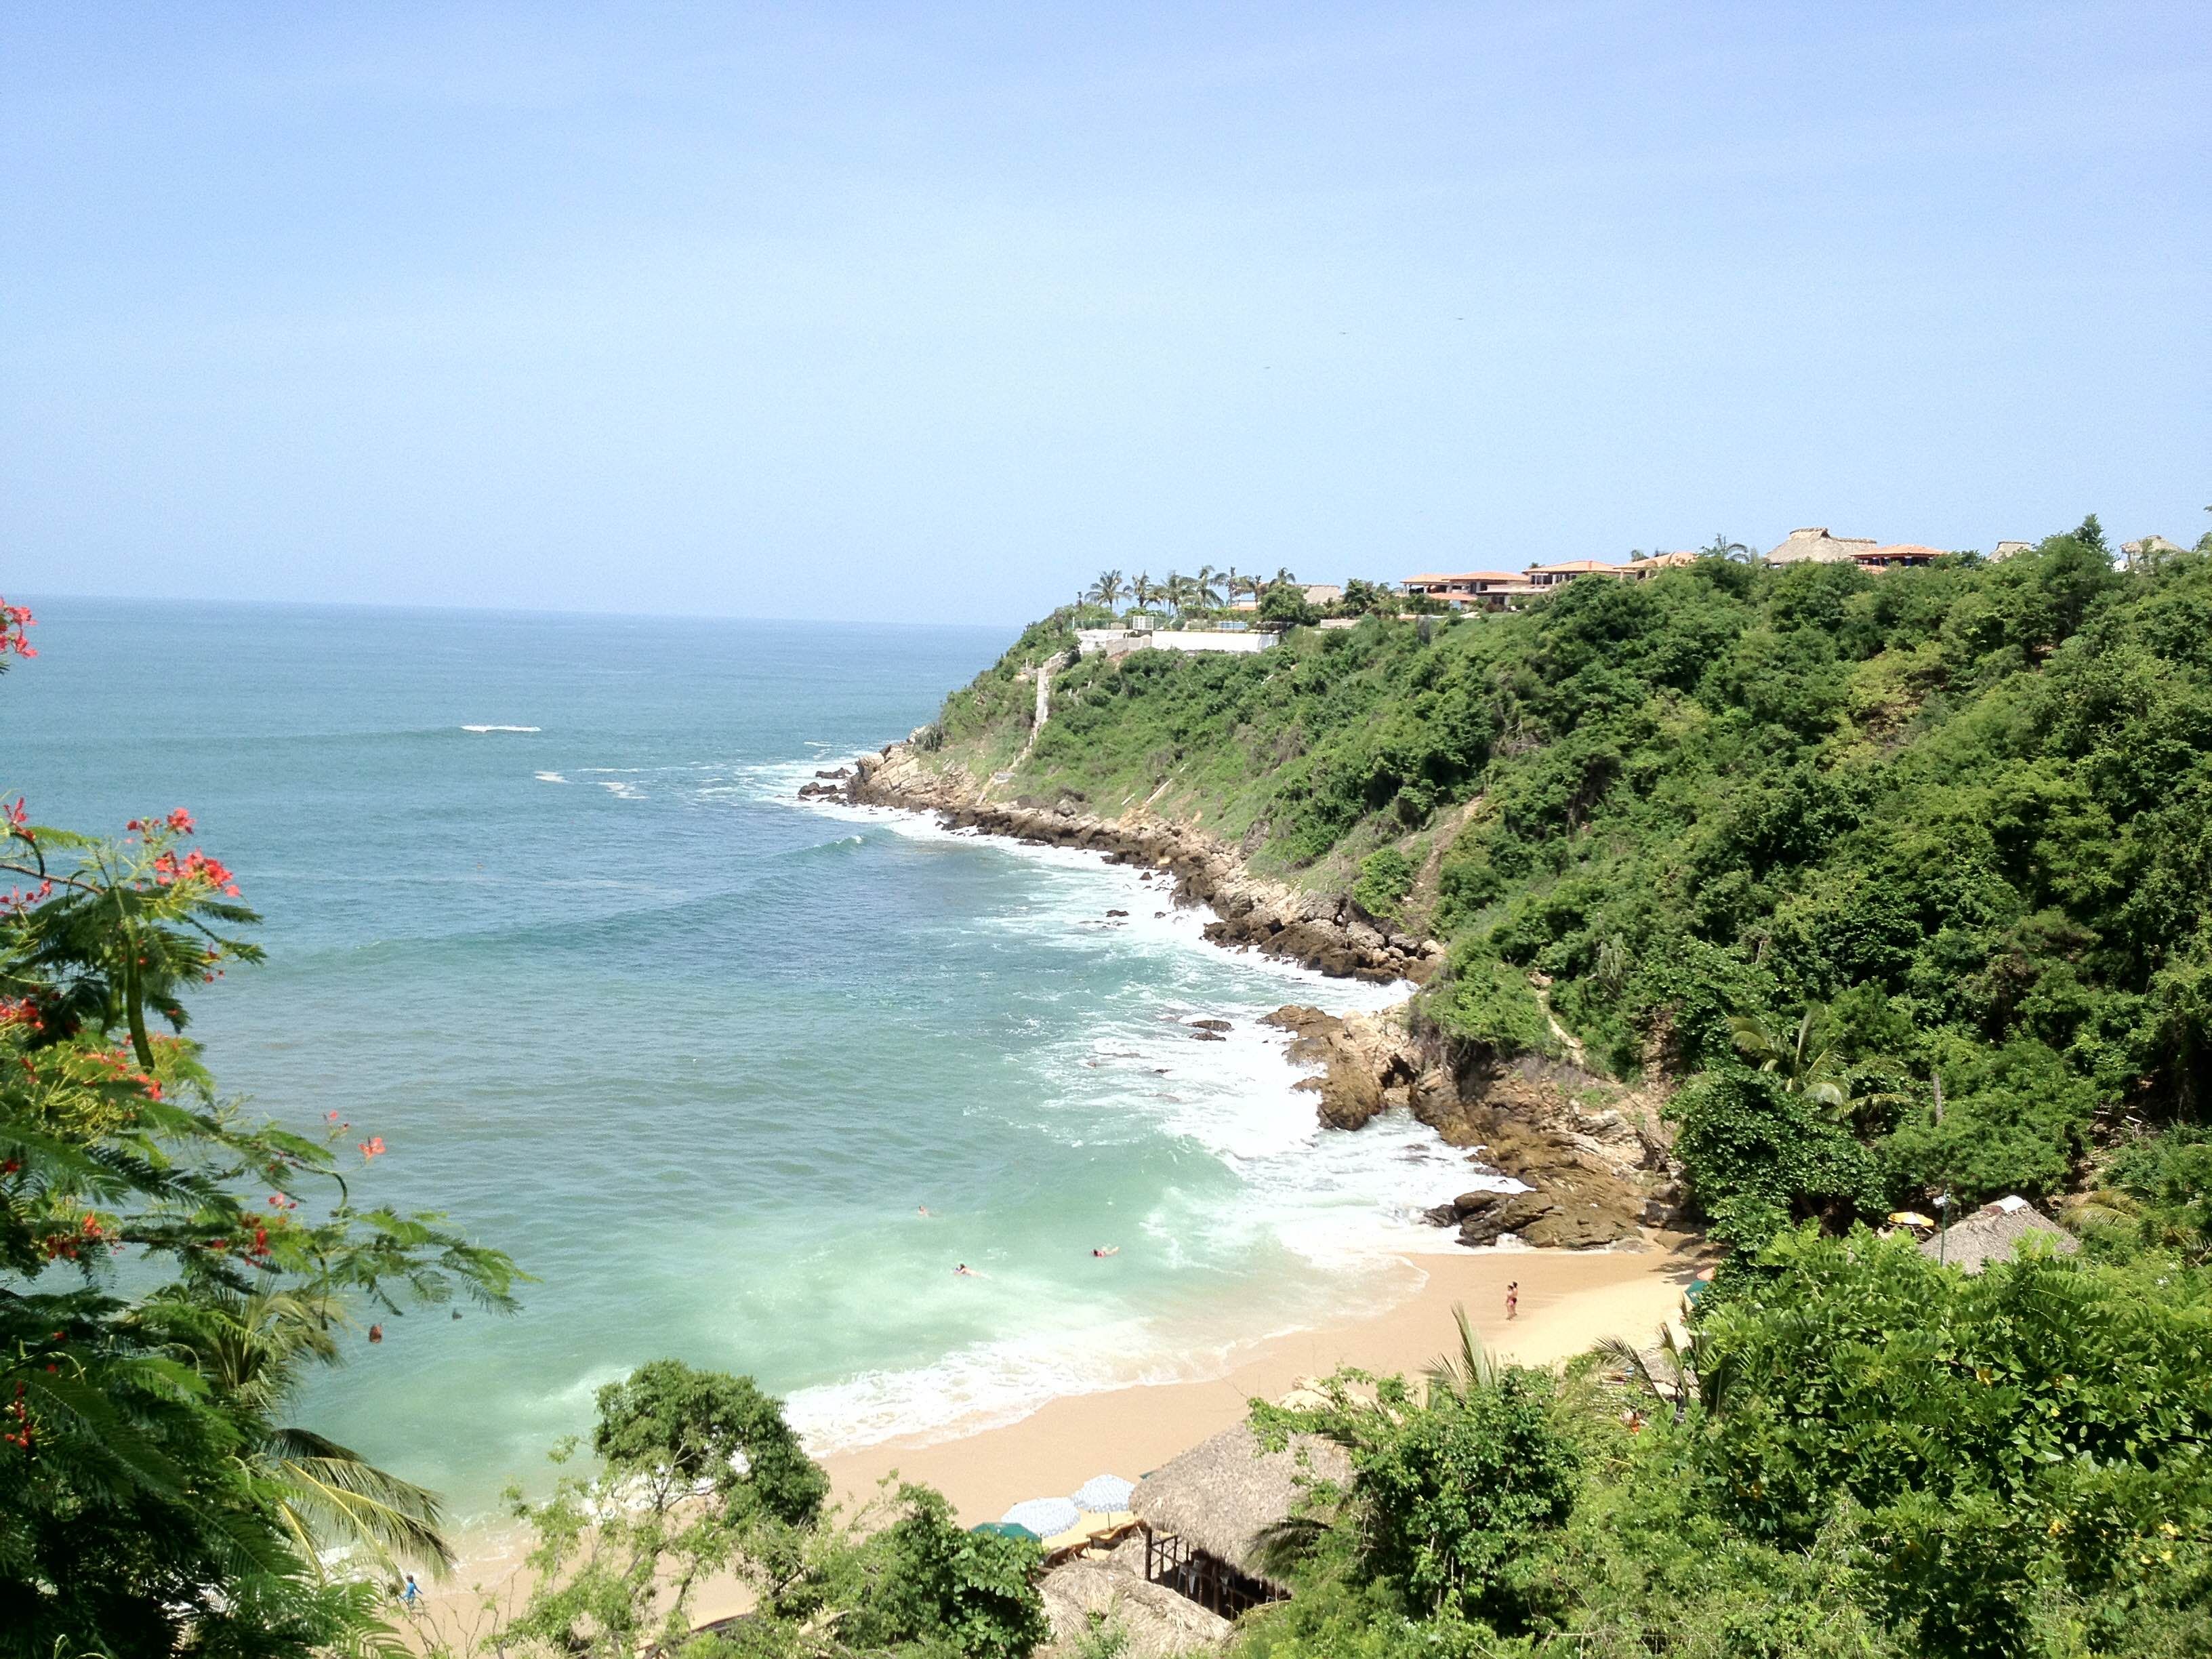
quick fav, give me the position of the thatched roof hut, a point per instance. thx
(1993, 1233)
(1155, 1622)
(1224, 1495)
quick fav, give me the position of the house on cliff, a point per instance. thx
(1472, 590)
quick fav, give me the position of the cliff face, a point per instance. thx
(1321, 931)
(1593, 1152)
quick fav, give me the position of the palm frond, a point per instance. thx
(334, 1495)
(1461, 1373)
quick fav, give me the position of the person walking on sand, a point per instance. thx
(1513, 1300)
(410, 1595)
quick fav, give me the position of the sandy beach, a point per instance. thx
(1568, 1300)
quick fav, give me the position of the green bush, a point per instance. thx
(1486, 1004)
(1386, 876)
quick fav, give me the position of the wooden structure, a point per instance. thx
(1209, 1515)
(1214, 1583)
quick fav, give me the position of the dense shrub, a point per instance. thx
(1968, 808)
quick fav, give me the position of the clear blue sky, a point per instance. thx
(931, 311)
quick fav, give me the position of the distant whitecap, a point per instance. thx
(501, 728)
(548, 777)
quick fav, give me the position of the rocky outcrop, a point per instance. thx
(1321, 931)
(1368, 1062)
(1590, 1150)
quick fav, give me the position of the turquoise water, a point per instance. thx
(693, 1053)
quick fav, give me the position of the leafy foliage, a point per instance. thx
(1958, 819)
(1450, 1485)
(1875, 1455)
(168, 1267)
(702, 1476)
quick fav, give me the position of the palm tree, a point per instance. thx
(1143, 590)
(1722, 548)
(1208, 586)
(1183, 593)
(1466, 1372)
(1676, 1378)
(1106, 590)
(252, 1350)
(1806, 1062)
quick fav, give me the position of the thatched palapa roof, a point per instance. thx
(1993, 1233)
(1223, 1494)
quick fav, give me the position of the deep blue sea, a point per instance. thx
(541, 912)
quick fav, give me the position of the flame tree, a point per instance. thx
(169, 1265)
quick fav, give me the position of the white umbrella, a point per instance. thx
(1108, 1493)
(1044, 1516)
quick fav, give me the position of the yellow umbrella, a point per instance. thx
(1909, 1218)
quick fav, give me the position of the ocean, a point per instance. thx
(543, 913)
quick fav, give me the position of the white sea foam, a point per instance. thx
(1347, 1206)
(989, 1384)
(501, 728)
(548, 777)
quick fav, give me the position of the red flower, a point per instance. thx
(373, 1147)
(181, 821)
(14, 619)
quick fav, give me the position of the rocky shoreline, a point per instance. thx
(1592, 1152)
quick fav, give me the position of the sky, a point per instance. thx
(932, 313)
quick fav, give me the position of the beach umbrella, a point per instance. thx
(1909, 1218)
(1108, 1493)
(1043, 1516)
(1007, 1530)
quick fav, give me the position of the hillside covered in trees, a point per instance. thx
(1897, 887)
(1902, 879)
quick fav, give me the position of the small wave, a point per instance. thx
(501, 728)
(548, 777)
(620, 790)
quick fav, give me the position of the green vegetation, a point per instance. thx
(700, 1476)
(1872, 1455)
(1907, 875)
(169, 1267)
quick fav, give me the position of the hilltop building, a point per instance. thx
(1817, 546)
(1502, 590)
(2148, 551)
(1317, 593)
(1472, 590)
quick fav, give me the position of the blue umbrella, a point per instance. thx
(1043, 1516)
(1104, 1492)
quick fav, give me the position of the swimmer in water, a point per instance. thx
(921, 1209)
(1108, 1250)
(966, 1272)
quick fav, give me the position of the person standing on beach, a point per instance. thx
(1513, 1300)
(412, 1593)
